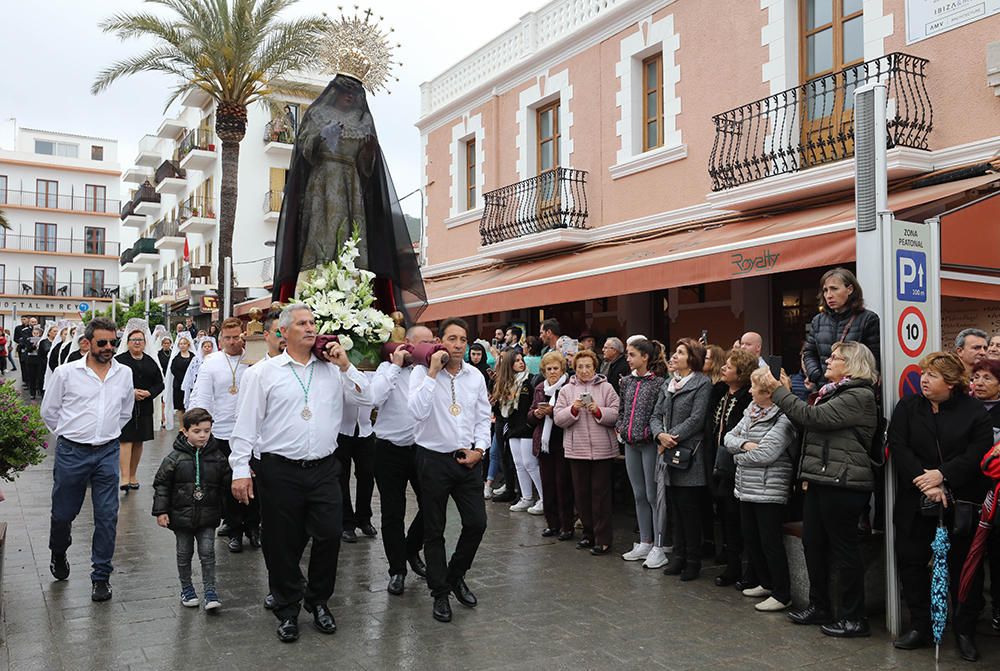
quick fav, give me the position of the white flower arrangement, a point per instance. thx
(342, 297)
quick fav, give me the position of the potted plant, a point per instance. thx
(22, 433)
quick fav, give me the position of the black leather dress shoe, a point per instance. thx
(566, 536)
(675, 566)
(967, 647)
(845, 628)
(322, 618)
(288, 630)
(741, 585)
(254, 538)
(269, 602)
(599, 550)
(584, 543)
(442, 609)
(224, 530)
(368, 530)
(811, 614)
(724, 580)
(464, 594)
(236, 543)
(348, 536)
(911, 640)
(549, 532)
(418, 565)
(692, 569)
(397, 584)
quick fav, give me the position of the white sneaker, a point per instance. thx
(521, 505)
(757, 592)
(537, 509)
(656, 558)
(638, 551)
(772, 605)
(487, 492)
(500, 491)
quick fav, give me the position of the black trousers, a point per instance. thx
(300, 503)
(362, 452)
(831, 543)
(685, 510)
(442, 477)
(728, 508)
(33, 372)
(765, 546)
(242, 519)
(395, 466)
(913, 552)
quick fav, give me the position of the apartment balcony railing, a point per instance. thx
(167, 228)
(30, 243)
(167, 170)
(196, 138)
(189, 275)
(146, 193)
(56, 289)
(279, 130)
(56, 201)
(813, 123)
(197, 206)
(553, 200)
(165, 286)
(127, 256)
(272, 201)
(141, 246)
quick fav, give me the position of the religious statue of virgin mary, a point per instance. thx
(338, 180)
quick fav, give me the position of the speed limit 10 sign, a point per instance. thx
(912, 331)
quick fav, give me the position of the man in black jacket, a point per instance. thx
(20, 337)
(614, 366)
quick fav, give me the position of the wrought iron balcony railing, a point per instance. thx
(167, 228)
(197, 206)
(31, 243)
(51, 200)
(553, 200)
(196, 138)
(813, 123)
(272, 201)
(50, 287)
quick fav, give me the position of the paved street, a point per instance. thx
(542, 604)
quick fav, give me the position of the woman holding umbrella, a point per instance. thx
(937, 440)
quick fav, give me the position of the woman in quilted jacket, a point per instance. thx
(639, 392)
(587, 409)
(761, 445)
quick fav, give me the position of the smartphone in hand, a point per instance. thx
(774, 363)
(586, 399)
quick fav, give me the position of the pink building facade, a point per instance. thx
(673, 166)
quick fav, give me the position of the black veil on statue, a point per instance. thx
(338, 177)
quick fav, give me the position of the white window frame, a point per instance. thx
(469, 128)
(546, 90)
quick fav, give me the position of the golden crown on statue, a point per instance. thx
(357, 46)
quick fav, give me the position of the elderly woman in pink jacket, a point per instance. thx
(587, 409)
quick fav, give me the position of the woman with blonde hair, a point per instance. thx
(512, 397)
(838, 481)
(715, 359)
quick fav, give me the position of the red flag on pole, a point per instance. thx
(185, 249)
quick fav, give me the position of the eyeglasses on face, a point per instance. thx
(136, 340)
(104, 343)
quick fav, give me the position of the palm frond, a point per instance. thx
(3, 221)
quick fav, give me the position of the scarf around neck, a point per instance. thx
(676, 383)
(508, 405)
(830, 387)
(550, 392)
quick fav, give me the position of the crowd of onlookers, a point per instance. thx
(724, 443)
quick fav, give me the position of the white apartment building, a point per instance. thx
(60, 193)
(170, 215)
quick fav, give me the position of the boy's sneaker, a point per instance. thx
(638, 551)
(189, 597)
(500, 491)
(522, 505)
(537, 509)
(212, 600)
(487, 492)
(655, 559)
(59, 566)
(100, 591)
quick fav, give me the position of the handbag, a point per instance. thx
(964, 516)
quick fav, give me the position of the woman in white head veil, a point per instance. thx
(169, 409)
(192, 372)
(153, 346)
(74, 352)
(54, 343)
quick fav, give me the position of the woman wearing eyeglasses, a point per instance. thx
(148, 383)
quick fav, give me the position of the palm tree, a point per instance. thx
(236, 51)
(3, 221)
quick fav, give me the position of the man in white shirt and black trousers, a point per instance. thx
(217, 391)
(292, 409)
(356, 443)
(452, 412)
(396, 463)
(86, 405)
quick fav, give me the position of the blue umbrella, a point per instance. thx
(939, 583)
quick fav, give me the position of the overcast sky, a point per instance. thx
(54, 50)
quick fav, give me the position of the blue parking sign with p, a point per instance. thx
(911, 276)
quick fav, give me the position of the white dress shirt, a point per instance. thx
(357, 416)
(211, 391)
(430, 402)
(270, 410)
(390, 394)
(79, 406)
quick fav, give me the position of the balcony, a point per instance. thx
(171, 128)
(196, 279)
(278, 139)
(761, 147)
(170, 178)
(197, 215)
(150, 152)
(197, 150)
(146, 253)
(61, 289)
(539, 214)
(165, 290)
(145, 201)
(41, 200)
(26, 243)
(167, 235)
(272, 206)
(137, 175)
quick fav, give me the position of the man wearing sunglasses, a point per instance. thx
(86, 406)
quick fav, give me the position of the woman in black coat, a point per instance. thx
(148, 383)
(937, 441)
(34, 368)
(986, 388)
(842, 318)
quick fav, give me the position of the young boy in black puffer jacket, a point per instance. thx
(188, 494)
